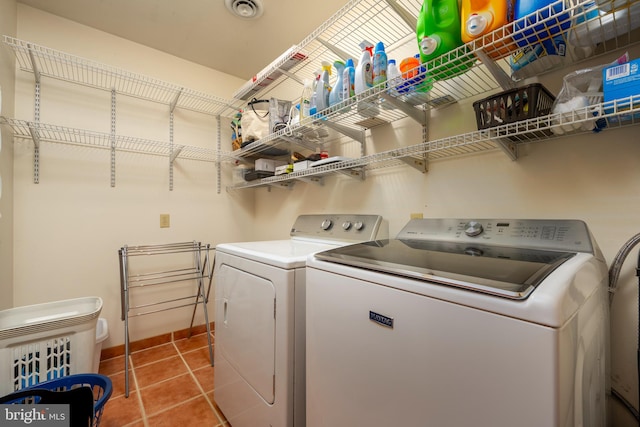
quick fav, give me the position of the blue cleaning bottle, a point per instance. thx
(336, 95)
(348, 80)
(379, 65)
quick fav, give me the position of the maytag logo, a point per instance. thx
(380, 319)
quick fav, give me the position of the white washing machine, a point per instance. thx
(490, 323)
(260, 318)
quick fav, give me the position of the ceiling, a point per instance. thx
(201, 31)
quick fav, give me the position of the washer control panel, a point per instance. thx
(340, 227)
(566, 235)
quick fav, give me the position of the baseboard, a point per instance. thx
(111, 352)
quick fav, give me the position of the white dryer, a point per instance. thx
(490, 323)
(260, 318)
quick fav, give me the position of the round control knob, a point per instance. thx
(326, 224)
(473, 228)
(346, 225)
(359, 225)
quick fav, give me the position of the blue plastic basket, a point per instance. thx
(99, 384)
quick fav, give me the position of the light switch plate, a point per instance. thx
(165, 221)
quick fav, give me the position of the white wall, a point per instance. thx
(69, 227)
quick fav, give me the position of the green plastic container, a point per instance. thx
(438, 32)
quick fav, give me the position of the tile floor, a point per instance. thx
(170, 384)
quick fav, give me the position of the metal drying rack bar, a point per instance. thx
(199, 269)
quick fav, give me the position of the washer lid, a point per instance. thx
(503, 271)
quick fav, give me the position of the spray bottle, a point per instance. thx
(314, 84)
(337, 93)
(364, 73)
(323, 88)
(364, 80)
(305, 99)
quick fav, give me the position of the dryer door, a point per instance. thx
(245, 327)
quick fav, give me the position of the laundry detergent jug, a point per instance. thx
(438, 32)
(481, 18)
(539, 20)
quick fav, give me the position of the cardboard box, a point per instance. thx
(281, 170)
(299, 166)
(620, 82)
(268, 165)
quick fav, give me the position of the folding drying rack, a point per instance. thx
(187, 264)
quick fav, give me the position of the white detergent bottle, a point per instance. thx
(323, 87)
(394, 78)
(336, 95)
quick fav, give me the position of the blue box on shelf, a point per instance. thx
(622, 82)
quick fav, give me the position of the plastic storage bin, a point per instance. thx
(100, 385)
(102, 333)
(514, 105)
(47, 341)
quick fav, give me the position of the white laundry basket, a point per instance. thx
(102, 333)
(46, 341)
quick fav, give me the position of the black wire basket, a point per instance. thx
(514, 105)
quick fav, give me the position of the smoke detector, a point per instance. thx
(245, 9)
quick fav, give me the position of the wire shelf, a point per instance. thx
(457, 75)
(38, 132)
(59, 65)
(479, 67)
(570, 22)
(613, 114)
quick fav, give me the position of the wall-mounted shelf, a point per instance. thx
(391, 21)
(507, 136)
(41, 132)
(478, 68)
(43, 61)
(50, 63)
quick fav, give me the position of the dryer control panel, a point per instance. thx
(565, 235)
(340, 227)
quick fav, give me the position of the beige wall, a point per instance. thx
(69, 227)
(8, 19)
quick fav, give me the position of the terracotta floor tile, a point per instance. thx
(192, 343)
(117, 382)
(218, 410)
(196, 412)
(159, 397)
(155, 372)
(111, 366)
(205, 378)
(153, 354)
(120, 411)
(197, 358)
